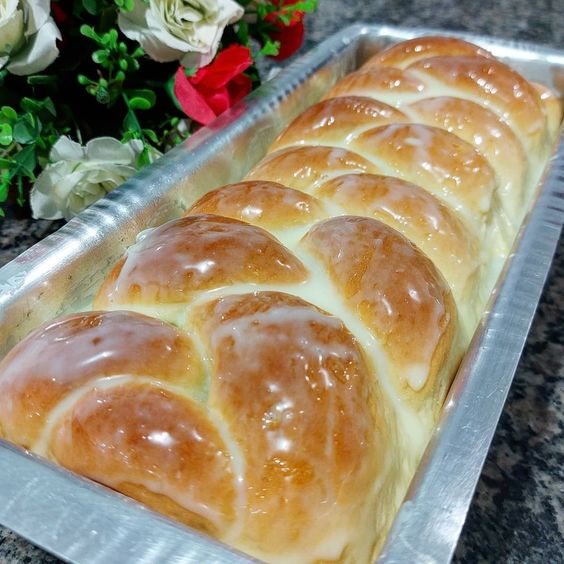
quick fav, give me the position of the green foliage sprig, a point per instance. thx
(104, 84)
(26, 137)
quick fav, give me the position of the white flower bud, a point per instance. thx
(80, 175)
(185, 30)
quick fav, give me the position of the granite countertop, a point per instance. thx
(517, 514)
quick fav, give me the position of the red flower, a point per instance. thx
(290, 36)
(215, 87)
(59, 14)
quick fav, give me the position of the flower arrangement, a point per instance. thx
(93, 90)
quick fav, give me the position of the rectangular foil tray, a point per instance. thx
(81, 521)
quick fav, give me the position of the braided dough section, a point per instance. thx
(269, 367)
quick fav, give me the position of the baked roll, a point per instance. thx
(269, 367)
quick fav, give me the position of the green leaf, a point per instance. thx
(303, 6)
(130, 122)
(41, 79)
(88, 31)
(9, 113)
(110, 38)
(91, 6)
(84, 80)
(4, 187)
(285, 13)
(264, 9)
(5, 134)
(243, 32)
(141, 98)
(285, 17)
(143, 159)
(151, 135)
(39, 107)
(27, 129)
(20, 199)
(30, 105)
(101, 56)
(125, 5)
(49, 106)
(128, 136)
(26, 161)
(137, 103)
(270, 48)
(169, 87)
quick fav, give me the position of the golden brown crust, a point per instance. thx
(436, 160)
(266, 204)
(490, 135)
(396, 291)
(418, 215)
(64, 355)
(188, 255)
(495, 86)
(377, 81)
(313, 431)
(148, 441)
(552, 108)
(337, 121)
(403, 54)
(328, 122)
(304, 168)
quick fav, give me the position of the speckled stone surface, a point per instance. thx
(517, 515)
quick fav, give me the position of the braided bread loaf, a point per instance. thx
(269, 367)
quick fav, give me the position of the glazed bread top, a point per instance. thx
(269, 367)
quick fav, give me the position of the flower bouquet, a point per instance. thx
(93, 90)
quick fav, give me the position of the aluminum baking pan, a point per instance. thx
(81, 521)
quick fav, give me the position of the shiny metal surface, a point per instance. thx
(83, 522)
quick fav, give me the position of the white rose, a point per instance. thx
(184, 30)
(28, 36)
(81, 175)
